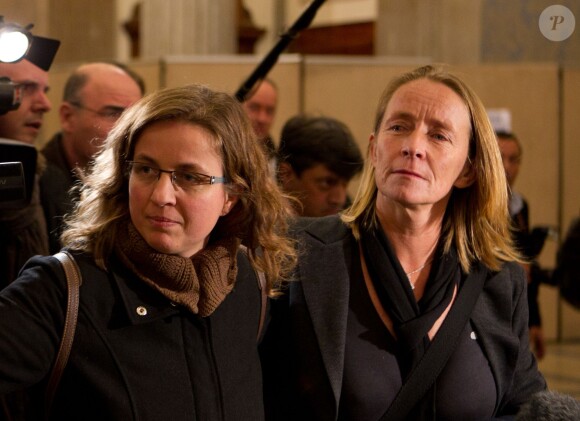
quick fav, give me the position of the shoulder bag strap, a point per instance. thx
(425, 373)
(262, 286)
(73, 280)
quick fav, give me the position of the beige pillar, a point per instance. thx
(188, 27)
(440, 30)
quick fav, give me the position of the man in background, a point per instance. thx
(23, 230)
(511, 153)
(94, 97)
(261, 109)
(24, 123)
(317, 158)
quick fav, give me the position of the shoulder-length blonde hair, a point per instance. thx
(476, 220)
(260, 216)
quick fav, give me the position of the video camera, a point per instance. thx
(17, 171)
(17, 159)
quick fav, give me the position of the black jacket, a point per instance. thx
(55, 190)
(135, 356)
(309, 330)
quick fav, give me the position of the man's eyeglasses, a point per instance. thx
(109, 112)
(29, 88)
(187, 181)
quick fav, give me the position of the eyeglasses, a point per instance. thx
(187, 181)
(109, 112)
(29, 88)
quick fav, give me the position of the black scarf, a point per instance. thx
(412, 320)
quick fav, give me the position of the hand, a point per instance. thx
(537, 342)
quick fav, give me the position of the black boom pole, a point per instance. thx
(268, 62)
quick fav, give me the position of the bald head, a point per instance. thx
(99, 74)
(95, 95)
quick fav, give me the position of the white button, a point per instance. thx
(141, 311)
(473, 336)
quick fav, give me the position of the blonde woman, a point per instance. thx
(176, 218)
(411, 305)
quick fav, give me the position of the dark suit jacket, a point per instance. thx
(313, 318)
(55, 188)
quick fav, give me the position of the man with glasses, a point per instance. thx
(23, 229)
(24, 123)
(95, 95)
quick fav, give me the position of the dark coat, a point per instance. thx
(313, 319)
(135, 356)
(56, 196)
(526, 245)
(567, 271)
(23, 234)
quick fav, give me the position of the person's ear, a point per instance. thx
(65, 112)
(285, 173)
(466, 177)
(372, 148)
(230, 202)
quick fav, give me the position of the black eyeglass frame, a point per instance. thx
(209, 179)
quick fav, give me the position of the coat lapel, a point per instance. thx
(325, 282)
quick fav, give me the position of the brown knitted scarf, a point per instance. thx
(199, 283)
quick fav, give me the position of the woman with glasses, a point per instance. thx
(176, 223)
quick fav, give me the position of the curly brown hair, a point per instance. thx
(260, 216)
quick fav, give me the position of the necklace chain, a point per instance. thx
(417, 270)
(422, 267)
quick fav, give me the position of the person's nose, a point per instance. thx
(263, 116)
(163, 193)
(337, 195)
(40, 102)
(414, 144)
